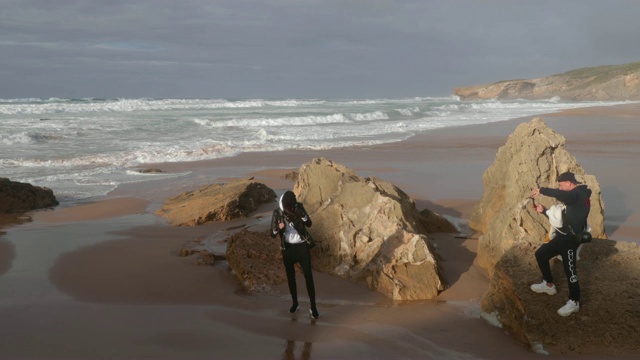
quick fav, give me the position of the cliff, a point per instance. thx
(601, 83)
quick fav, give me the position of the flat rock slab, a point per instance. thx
(217, 202)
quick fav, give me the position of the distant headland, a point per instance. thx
(600, 83)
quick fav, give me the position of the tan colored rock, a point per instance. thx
(367, 228)
(218, 202)
(632, 81)
(20, 197)
(256, 260)
(512, 232)
(533, 157)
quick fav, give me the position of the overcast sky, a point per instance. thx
(301, 48)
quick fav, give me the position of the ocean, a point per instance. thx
(85, 148)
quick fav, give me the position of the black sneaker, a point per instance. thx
(313, 312)
(294, 308)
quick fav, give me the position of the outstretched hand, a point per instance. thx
(535, 192)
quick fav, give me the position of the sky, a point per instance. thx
(320, 49)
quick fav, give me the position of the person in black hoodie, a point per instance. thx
(290, 220)
(576, 198)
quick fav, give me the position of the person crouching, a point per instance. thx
(576, 199)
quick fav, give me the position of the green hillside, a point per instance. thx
(601, 74)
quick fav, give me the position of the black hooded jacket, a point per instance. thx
(294, 217)
(577, 203)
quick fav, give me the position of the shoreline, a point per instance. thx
(107, 274)
(454, 181)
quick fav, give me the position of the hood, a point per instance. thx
(288, 200)
(585, 189)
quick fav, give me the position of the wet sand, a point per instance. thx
(104, 280)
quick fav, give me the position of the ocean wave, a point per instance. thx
(29, 138)
(75, 153)
(338, 118)
(15, 139)
(57, 106)
(61, 105)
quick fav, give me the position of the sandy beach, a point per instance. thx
(105, 279)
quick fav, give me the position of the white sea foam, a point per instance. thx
(57, 106)
(86, 147)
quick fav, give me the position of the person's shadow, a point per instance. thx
(289, 351)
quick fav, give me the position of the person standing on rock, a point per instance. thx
(290, 220)
(576, 198)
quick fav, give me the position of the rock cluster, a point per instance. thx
(366, 228)
(20, 197)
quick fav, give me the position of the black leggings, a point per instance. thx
(564, 246)
(299, 253)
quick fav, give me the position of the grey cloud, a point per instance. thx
(300, 48)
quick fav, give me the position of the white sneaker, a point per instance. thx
(543, 287)
(569, 308)
(314, 313)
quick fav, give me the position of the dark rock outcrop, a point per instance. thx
(20, 197)
(218, 202)
(609, 316)
(602, 83)
(256, 260)
(204, 255)
(435, 223)
(291, 176)
(151, 171)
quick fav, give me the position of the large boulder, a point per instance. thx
(533, 157)
(511, 232)
(20, 197)
(367, 228)
(217, 202)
